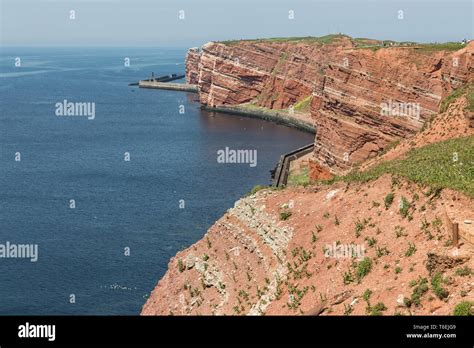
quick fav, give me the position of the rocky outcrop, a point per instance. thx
(236, 268)
(380, 97)
(284, 252)
(361, 99)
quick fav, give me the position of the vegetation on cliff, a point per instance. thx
(303, 105)
(299, 178)
(467, 90)
(358, 42)
(443, 164)
(464, 308)
(377, 246)
(445, 46)
(447, 164)
(327, 39)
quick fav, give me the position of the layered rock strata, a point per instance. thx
(360, 99)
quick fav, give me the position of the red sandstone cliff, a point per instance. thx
(192, 65)
(254, 260)
(457, 121)
(251, 262)
(347, 85)
(268, 254)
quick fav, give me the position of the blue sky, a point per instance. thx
(157, 22)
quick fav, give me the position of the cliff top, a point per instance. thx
(376, 241)
(345, 40)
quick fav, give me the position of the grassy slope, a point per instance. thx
(299, 178)
(447, 164)
(434, 165)
(303, 105)
(468, 89)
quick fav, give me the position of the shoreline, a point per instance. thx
(278, 117)
(272, 115)
(268, 115)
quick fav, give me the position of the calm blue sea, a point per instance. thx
(119, 204)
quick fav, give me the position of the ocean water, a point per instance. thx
(119, 204)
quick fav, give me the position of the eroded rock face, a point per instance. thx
(361, 99)
(192, 65)
(276, 252)
(271, 74)
(246, 246)
(454, 122)
(379, 97)
(254, 260)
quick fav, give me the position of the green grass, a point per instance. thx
(281, 63)
(470, 98)
(181, 266)
(300, 178)
(303, 105)
(404, 208)
(366, 295)
(464, 271)
(390, 146)
(430, 165)
(446, 46)
(420, 289)
(347, 278)
(464, 308)
(363, 268)
(467, 89)
(374, 45)
(361, 42)
(327, 39)
(377, 309)
(367, 43)
(259, 109)
(257, 188)
(359, 226)
(388, 200)
(436, 283)
(285, 215)
(411, 249)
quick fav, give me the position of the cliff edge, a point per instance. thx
(375, 239)
(360, 94)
